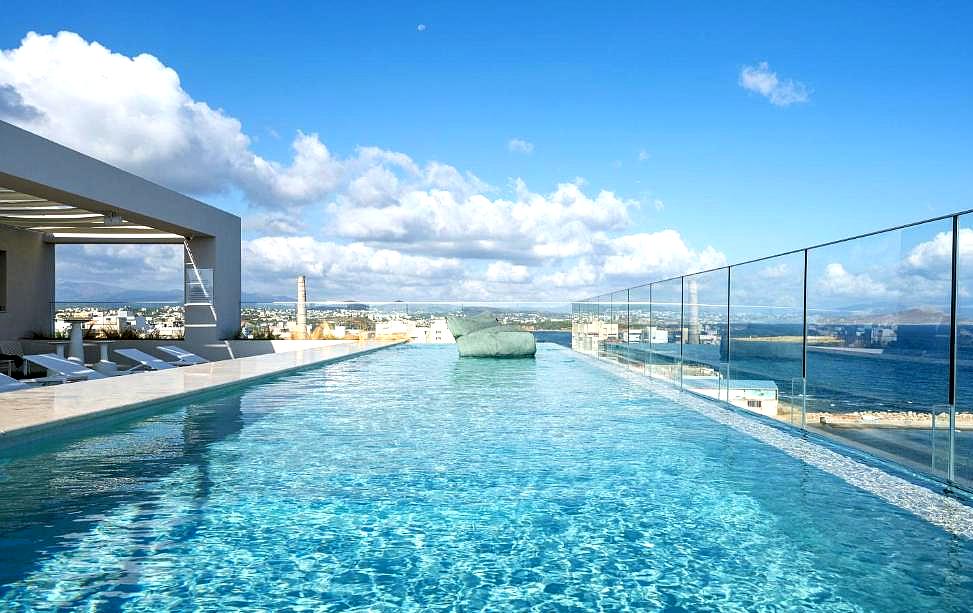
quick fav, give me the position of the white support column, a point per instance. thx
(27, 306)
(212, 313)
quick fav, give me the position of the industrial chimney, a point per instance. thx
(301, 308)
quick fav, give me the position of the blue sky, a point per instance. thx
(882, 137)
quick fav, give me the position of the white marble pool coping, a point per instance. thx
(938, 509)
(41, 412)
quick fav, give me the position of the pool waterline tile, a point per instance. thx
(44, 411)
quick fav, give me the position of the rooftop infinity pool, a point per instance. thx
(411, 480)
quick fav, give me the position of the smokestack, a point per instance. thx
(301, 307)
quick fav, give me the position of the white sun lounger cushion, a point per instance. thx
(143, 359)
(182, 356)
(71, 371)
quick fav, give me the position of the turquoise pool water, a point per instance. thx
(411, 480)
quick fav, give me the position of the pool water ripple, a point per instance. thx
(410, 480)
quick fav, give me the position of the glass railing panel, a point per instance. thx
(576, 325)
(963, 457)
(334, 320)
(605, 317)
(413, 321)
(594, 325)
(616, 326)
(120, 320)
(579, 333)
(596, 329)
(704, 348)
(199, 285)
(666, 331)
(606, 330)
(549, 321)
(620, 302)
(766, 349)
(580, 336)
(638, 340)
(878, 312)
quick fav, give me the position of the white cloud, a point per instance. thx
(422, 229)
(520, 145)
(762, 80)
(421, 27)
(377, 186)
(270, 223)
(837, 281)
(134, 113)
(128, 267)
(643, 155)
(359, 271)
(658, 255)
(342, 266)
(936, 251)
(505, 272)
(529, 226)
(581, 275)
(776, 271)
(934, 257)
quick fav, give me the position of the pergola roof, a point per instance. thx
(72, 198)
(64, 223)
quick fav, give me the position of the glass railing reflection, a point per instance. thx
(116, 320)
(766, 342)
(878, 329)
(419, 322)
(853, 340)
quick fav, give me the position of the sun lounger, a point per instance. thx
(183, 357)
(65, 370)
(144, 360)
(12, 352)
(8, 384)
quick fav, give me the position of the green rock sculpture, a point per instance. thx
(482, 337)
(461, 326)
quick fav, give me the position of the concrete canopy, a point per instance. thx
(50, 194)
(63, 223)
(37, 169)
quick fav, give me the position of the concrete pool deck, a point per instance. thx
(42, 412)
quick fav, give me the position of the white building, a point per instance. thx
(437, 332)
(758, 396)
(395, 327)
(656, 336)
(599, 329)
